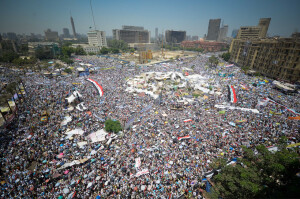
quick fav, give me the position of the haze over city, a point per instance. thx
(147, 99)
(34, 16)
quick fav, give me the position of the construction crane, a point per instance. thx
(162, 45)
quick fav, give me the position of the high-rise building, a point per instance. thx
(234, 33)
(223, 33)
(156, 34)
(51, 35)
(73, 28)
(66, 33)
(254, 32)
(173, 36)
(276, 57)
(97, 38)
(209, 46)
(264, 25)
(132, 34)
(213, 29)
(249, 32)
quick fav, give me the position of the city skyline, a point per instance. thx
(35, 16)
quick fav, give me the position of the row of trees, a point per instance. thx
(261, 175)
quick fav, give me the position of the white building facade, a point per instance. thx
(97, 38)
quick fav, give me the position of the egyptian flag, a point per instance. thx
(97, 86)
(184, 137)
(187, 120)
(231, 94)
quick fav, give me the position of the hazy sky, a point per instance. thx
(35, 16)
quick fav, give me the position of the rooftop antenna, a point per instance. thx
(92, 14)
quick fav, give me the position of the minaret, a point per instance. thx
(73, 27)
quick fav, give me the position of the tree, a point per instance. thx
(67, 51)
(44, 53)
(118, 44)
(68, 70)
(79, 51)
(9, 56)
(112, 126)
(213, 60)
(226, 56)
(104, 50)
(67, 60)
(261, 175)
(114, 50)
(131, 50)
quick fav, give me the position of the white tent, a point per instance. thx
(72, 97)
(81, 107)
(66, 120)
(98, 136)
(75, 132)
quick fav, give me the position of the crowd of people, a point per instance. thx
(164, 154)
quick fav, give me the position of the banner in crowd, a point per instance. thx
(244, 87)
(294, 118)
(142, 172)
(270, 99)
(230, 65)
(97, 85)
(184, 137)
(238, 108)
(137, 162)
(231, 94)
(187, 120)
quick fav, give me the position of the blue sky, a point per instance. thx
(35, 16)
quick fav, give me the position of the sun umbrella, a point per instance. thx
(66, 172)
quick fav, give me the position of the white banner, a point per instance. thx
(142, 172)
(137, 162)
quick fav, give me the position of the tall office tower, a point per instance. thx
(132, 34)
(223, 33)
(264, 25)
(173, 36)
(213, 29)
(97, 38)
(66, 33)
(73, 27)
(156, 33)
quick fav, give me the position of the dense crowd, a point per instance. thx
(33, 151)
